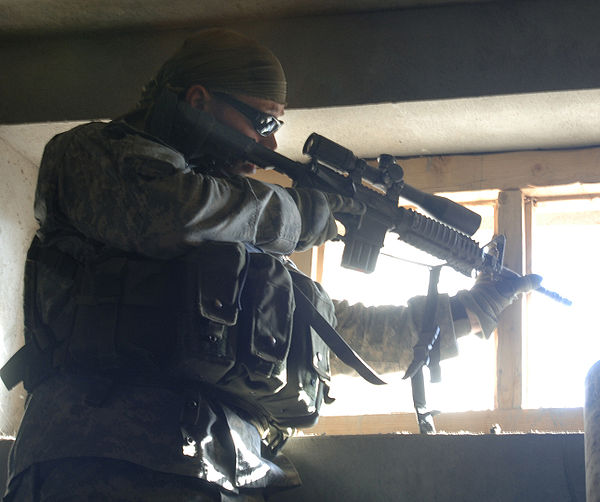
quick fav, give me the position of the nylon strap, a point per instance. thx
(334, 340)
(426, 353)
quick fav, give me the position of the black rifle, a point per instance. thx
(335, 169)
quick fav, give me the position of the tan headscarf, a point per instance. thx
(220, 60)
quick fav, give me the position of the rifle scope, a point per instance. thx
(344, 161)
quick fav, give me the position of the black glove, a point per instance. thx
(488, 298)
(317, 210)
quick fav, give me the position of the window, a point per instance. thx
(562, 343)
(530, 376)
(558, 349)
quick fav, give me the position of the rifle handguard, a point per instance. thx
(459, 251)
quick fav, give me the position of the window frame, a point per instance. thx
(518, 179)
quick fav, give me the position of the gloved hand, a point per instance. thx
(487, 298)
(317, 210)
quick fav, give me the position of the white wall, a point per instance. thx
(21, 148)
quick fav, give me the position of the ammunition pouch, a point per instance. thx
(284, 364)
(220, 317)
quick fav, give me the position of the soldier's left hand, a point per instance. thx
(499, 294)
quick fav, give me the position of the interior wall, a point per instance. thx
(447, 51)
(465, 468)
(16, 228)
(20, 153)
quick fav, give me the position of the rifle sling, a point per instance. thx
(427, 353)
(334, 340)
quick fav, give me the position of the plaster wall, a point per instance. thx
(16, 229)
(20, 152)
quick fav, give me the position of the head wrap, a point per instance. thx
(220, 60)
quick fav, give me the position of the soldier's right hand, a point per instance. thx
(318, 210)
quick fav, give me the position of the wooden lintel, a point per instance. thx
(475, 422)
(502, 171)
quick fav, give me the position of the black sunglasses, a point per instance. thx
(263, 123)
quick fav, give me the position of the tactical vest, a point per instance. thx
(221, 316)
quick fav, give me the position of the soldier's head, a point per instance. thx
(231, 76)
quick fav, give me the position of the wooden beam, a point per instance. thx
(318, 263)
(475, 422)
(509, 355)
(498, 171)
(503, 171)
(528, 204)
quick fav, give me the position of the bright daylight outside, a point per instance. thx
(467, 381)
(562, 343)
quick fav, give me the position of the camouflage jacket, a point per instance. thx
(114, 187)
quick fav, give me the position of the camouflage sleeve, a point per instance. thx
(384, 336)
(137, 195)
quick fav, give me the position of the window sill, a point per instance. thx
(471, 422)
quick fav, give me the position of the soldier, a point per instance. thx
(166, 351)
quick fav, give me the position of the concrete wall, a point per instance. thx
(403, 55)
(17, 185)
(413, 468)
(20, 153)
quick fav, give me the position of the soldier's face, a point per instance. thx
(227, 114)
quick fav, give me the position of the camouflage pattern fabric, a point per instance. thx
(385, 335)
(131, 193)
(105, 186)
(317, 210)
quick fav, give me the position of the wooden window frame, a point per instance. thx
(517, 178)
